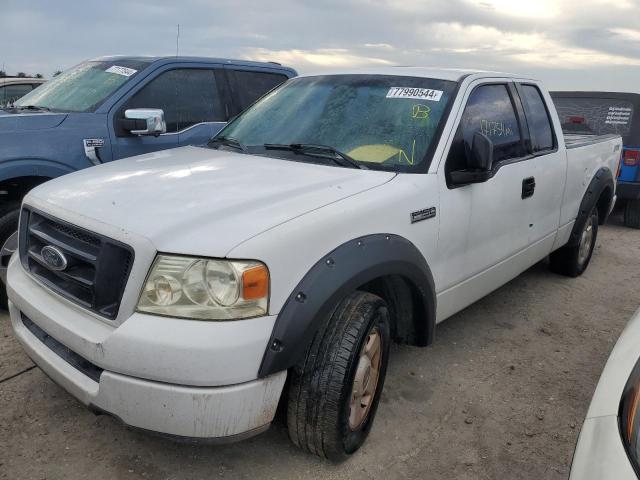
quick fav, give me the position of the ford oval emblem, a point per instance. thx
(54, 258)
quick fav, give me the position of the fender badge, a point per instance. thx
(425, 214)
(90, 149)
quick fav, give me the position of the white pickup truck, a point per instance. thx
(190, 291)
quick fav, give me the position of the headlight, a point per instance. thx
(629, 416)
(205, 289)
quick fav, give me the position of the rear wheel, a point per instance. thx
(9, 216)
(632, 214)
(334, 392)
(573, 260)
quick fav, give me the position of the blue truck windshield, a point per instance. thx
(380, 121)
(84, 87)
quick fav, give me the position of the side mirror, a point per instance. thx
(144, 121)
(479, 162)
(481, 157)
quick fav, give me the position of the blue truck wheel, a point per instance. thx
(632, 214)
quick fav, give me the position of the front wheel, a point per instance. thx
(9, 216)
(334, 392)
(573, 260)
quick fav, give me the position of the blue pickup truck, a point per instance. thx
(115, 107)
(609, 112)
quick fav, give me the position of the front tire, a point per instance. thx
(334, 392)
(632, 214)
(9, 216)
(573, 260)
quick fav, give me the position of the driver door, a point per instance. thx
(484, 227)
(194, 110)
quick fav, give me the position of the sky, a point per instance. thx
(569, 44)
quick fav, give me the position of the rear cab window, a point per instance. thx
(538, 120)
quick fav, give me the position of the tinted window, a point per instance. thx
(490, 111)
(187, 97)
(11, 93)
(250, 86)
(537, 119)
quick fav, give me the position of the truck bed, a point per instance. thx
(577, 140)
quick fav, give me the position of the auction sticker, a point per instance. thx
(127, 72)
(415, 93)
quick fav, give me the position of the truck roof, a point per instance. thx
(20, 80)
(174, 59)
(452, 74)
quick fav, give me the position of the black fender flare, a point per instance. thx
(334, 276)
(602, 179)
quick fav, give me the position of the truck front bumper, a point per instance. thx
(44, 325)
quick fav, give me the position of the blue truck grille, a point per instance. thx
(84, 267)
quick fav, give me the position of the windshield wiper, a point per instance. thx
(337, 156)
(31, 107)
(229, 142)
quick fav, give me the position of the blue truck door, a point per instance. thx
(194, 106)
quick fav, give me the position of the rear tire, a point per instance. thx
(334, 391)
(573, 260)
(9, 216)
(632, 214)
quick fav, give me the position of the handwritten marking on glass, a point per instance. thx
(420, 111)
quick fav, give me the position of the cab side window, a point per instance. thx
(187, 96)
(248, 86)
(537, 119)
(490, 111)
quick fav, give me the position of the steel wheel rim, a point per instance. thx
(8, 248)
(586, 241)
(365, 382)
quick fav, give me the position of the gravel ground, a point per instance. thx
(501, 394)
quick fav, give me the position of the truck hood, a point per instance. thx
(24, 122)
(200, 201)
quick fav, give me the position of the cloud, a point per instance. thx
(572, 43)
(536, 49)
(324, 57)
(627, 34)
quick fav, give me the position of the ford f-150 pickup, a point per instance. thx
(110, 108)
(190, 291)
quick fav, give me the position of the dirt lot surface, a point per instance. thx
(500, 395)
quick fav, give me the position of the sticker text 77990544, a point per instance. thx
(415, 93)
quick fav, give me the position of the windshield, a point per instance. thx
(84, 87)
(385, 122)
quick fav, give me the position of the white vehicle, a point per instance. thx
(609, 446)
(178, 290)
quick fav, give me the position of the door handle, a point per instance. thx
(528, 187)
